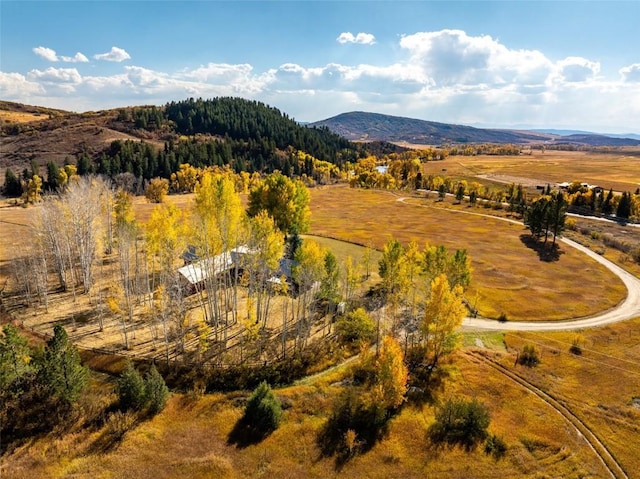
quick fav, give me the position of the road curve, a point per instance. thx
(627, 309)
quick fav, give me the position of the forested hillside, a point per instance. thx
(245, 135)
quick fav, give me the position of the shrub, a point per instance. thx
(460, 422)
(356, 326)
(118, 424)
(576, 345)
(571, 224)
(156, 190)
(355, 425)
(529, 356)
(263, 410)
(495, 446)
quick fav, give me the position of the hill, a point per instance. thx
(363, 126)
(246, 135)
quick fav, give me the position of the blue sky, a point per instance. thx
(542, 64)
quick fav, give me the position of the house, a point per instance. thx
(194, 274)
(234, 262)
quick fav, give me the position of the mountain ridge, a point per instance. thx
(366, 126)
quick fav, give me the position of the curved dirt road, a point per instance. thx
(627, 309)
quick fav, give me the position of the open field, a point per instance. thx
(620, 170)
(508, 276)
(601, 385)
(190, 438)
(20, 116)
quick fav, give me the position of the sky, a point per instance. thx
(500, 64)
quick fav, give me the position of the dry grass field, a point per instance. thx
(20, 116)
(190, 437)
(620, 170)
(601, 385)
(508, 276)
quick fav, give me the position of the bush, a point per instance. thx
(355, 425)
(495, 446)
(529, 356)
(356, 326)
(460, 422)
(263, 410)
(156, 190)
(576, 345)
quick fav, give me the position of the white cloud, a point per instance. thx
(451, 57)
(46, 53)
(55, 75)
(631, 73)
(361, 38)
(77, 58)
(14, 86)
(577, 69)
(114, 55)
(51, 55)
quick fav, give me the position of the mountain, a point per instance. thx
(631, 136)
(363, 126)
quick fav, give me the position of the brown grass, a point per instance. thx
(508, 277)
(189, 438)
(20, 117)
(598, 385)
(620, 171)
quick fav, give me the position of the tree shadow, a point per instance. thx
(548, 253)
(245, 434)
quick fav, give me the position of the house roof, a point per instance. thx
(203, 269)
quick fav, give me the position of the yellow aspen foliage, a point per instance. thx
(32, 190)
(444, 312)
(156, 190)
(392, 374)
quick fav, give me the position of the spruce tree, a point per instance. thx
(131, 389)
(156, 390)
(263, 410)
(61, 371)
(12, 185)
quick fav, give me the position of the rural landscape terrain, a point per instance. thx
(210, 289)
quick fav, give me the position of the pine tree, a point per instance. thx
(263, 410)
(61, 371)
(12, 185)
(624, 206)
(15, 356)
(156, 390)
(131, 389)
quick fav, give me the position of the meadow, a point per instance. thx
(619, 171)
(191, 437)
(508, 277)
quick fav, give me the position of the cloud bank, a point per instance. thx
(445, 75)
